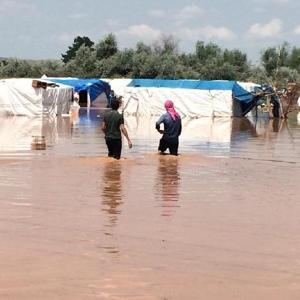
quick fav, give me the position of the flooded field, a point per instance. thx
(221, 221)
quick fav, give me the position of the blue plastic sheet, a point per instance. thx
(94, 87)
(238, 92)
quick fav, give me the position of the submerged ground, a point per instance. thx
(221, 221)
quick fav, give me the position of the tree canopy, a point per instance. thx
(78, 42)
(161, 59)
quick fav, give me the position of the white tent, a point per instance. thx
(18, 97)
(213, 101)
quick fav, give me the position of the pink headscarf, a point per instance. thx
(169, 105)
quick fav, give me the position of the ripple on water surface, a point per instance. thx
(167, 227)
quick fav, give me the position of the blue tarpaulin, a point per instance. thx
(184, 84)
(195, 84)
(94, 87)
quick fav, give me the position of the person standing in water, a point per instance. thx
(113, 126)
(172, 129)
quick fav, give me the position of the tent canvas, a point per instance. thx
(192, 98)
(18, 97)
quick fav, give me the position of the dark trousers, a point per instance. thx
(114, 147)
(171, 144)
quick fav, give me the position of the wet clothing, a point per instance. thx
(172, 144)
(172, 128)
(113, 119)
(114, 147)
(172, 131)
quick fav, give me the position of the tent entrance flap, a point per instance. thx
(94, 87)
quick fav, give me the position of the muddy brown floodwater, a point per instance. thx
(221, 221)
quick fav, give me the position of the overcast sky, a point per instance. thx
(41, 29)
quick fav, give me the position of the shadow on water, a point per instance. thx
(168, 182)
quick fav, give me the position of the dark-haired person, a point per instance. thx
(113, 127)
(172, 129)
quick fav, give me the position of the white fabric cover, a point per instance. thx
(212, 130)
(118, 85)
(188, 102)
(193, 103)
(18, 97)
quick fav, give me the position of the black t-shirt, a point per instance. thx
(113, 119)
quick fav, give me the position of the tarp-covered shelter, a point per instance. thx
(94, 88)
(192, 98)
(19, 97)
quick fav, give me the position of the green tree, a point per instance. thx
(283, 53)
(287, 74)
(139, 59)
(151, 66)
(51, 68)
(170, 67)
(107, 67)
(78, 42)
(257, 74)
(216, 69)
(124, 61)
(273, 58)
(166, 44)
(15, 68)
(207, 52)
(118, 65)
(83, 64)
(143, 48)
(107, 47)
(236, 58)
(269, 60)
(188, 59)
(294, 59)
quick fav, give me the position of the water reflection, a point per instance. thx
(277, 124)
(242, 126)
(168, 182)
(16, 133)
(49, 129)
(112, 191)
(80, 135)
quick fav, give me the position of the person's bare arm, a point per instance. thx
(157, 125)
(125, 133)
(103, 127)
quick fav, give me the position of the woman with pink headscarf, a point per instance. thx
(172, 129)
